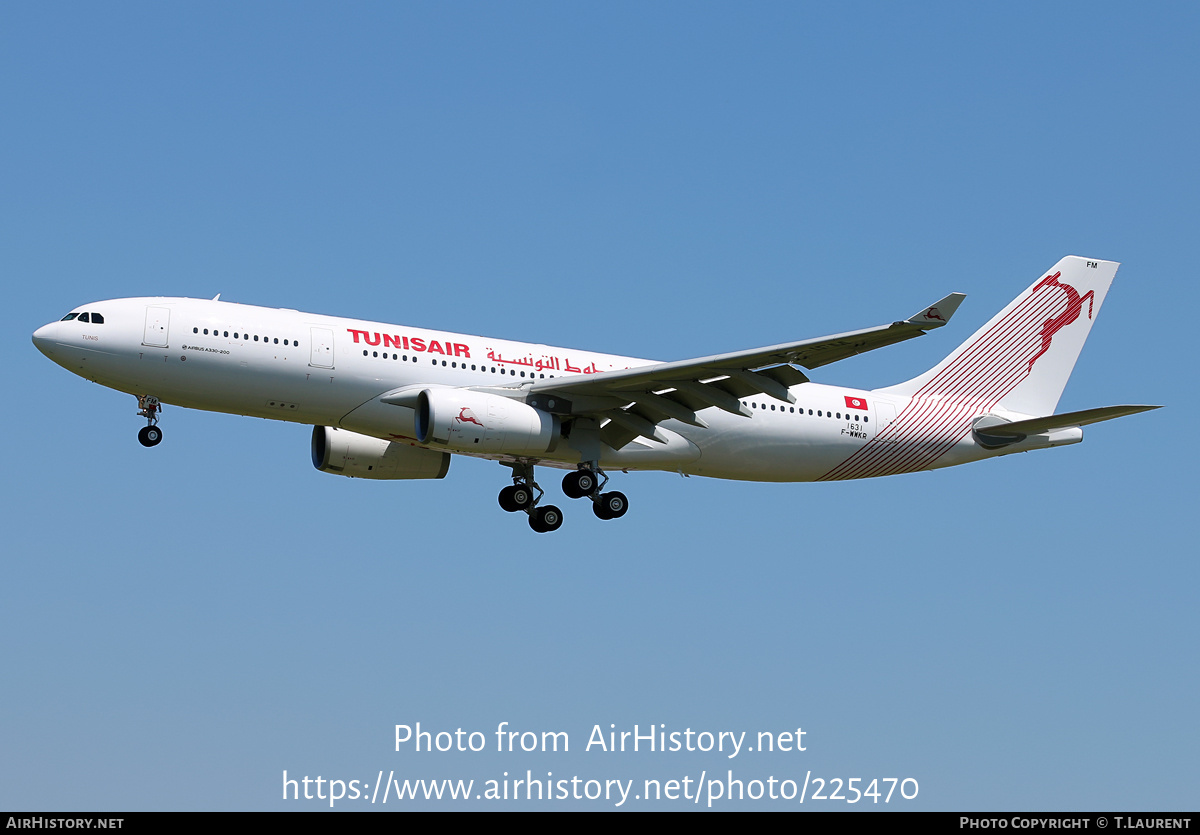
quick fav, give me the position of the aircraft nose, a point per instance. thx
(43, 337)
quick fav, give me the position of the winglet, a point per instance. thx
(938, 313)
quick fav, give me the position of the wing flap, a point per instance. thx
(615, 435)
(667, 407)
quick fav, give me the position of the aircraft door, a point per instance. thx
(158, 320)
(322, 348)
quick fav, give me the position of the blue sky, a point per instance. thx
(182, 624)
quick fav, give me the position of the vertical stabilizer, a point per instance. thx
(1021, 359)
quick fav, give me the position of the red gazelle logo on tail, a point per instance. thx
(1056, 323)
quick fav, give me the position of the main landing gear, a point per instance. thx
(586, 482)
(149, 408)
(524, 494)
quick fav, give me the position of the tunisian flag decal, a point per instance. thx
(856, 403)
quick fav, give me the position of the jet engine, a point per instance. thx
(342, 452)
(471, 421)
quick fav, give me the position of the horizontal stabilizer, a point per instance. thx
(1020, 428)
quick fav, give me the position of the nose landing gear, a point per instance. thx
(149, 408)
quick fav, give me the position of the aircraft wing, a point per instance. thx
(633, 401)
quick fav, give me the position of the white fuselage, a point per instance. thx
(330, 371)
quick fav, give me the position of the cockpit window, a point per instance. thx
(69, 317)
(83, 317)
(97, 319)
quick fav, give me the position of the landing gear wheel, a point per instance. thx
(517, 497)
(546, 519)
(149, 435)
(610, 505)
(578, 484)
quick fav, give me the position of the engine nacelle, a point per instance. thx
(472, 421)
(342, 452)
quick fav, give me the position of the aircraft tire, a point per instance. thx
(611, 505)
(517, 497)
(578, 484)
(522, 496)
(149, 436)
(546, 519)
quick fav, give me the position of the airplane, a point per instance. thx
(396, 402)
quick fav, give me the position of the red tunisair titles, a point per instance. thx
(416, 343)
